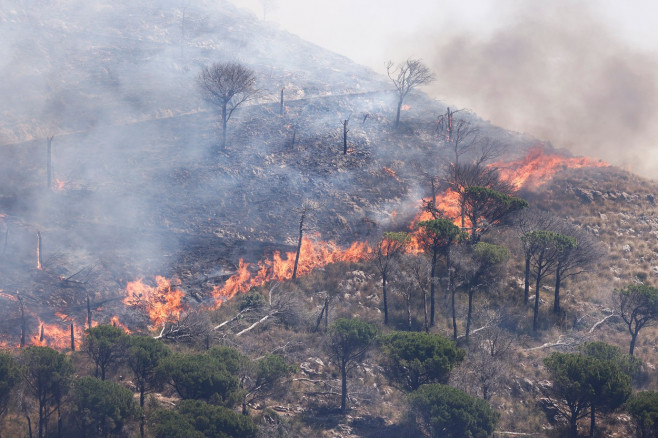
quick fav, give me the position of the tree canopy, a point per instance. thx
(414, 359)
(197, 419)
(583, 385)
(447, 412)
(638, 307)
(643, 407)
(143, 359)
(9, 376)
(485, 207)
(349, 340)
(202, 376)
(104, 344)
(102, 406)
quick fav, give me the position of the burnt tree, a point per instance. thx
(49, 161)
(390, 246)
(227, 86)
(458, 135)
(307, 208)
(406, 76)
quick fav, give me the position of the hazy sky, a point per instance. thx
(580, 73)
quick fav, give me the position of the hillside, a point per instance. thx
(150, 227)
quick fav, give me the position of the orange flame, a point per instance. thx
(392, 173)
(312, 255)
(60, 185)
(116, 323)
(56, 336)
(538, 167)
(162, 302)
(7, 296)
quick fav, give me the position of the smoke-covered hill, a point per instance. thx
(141, 189)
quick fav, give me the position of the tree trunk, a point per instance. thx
(88, 312)
(49, 162)
(23, 327)
(281, 108)
(556, 300)
(29, 426)
(39, 265)
(427, 326)
(385, 300)
(72, 338)
(59, 421)
(632, 348)
(535, 314)
(451, 290)
(470, 309)
(224, 123)
(526, 291)
(432, 287)
(41, 407)
(573, 427)
(409, 310)
(299, 244)
(592, 421)
(397, 116)
(4, 245)
(345, 130)
(319, 320)
(343, 395)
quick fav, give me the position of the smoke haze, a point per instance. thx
(580, 74)
(559, 74)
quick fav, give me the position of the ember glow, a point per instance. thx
(312, 255)
(162, 302)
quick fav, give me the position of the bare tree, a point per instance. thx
(527, 221)
(548, 247)
(407, 76)
(227, 85)
(390, 246)
(307, 208)
(49, 161)
(459, 135)
(268, 6)
(574, 260)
